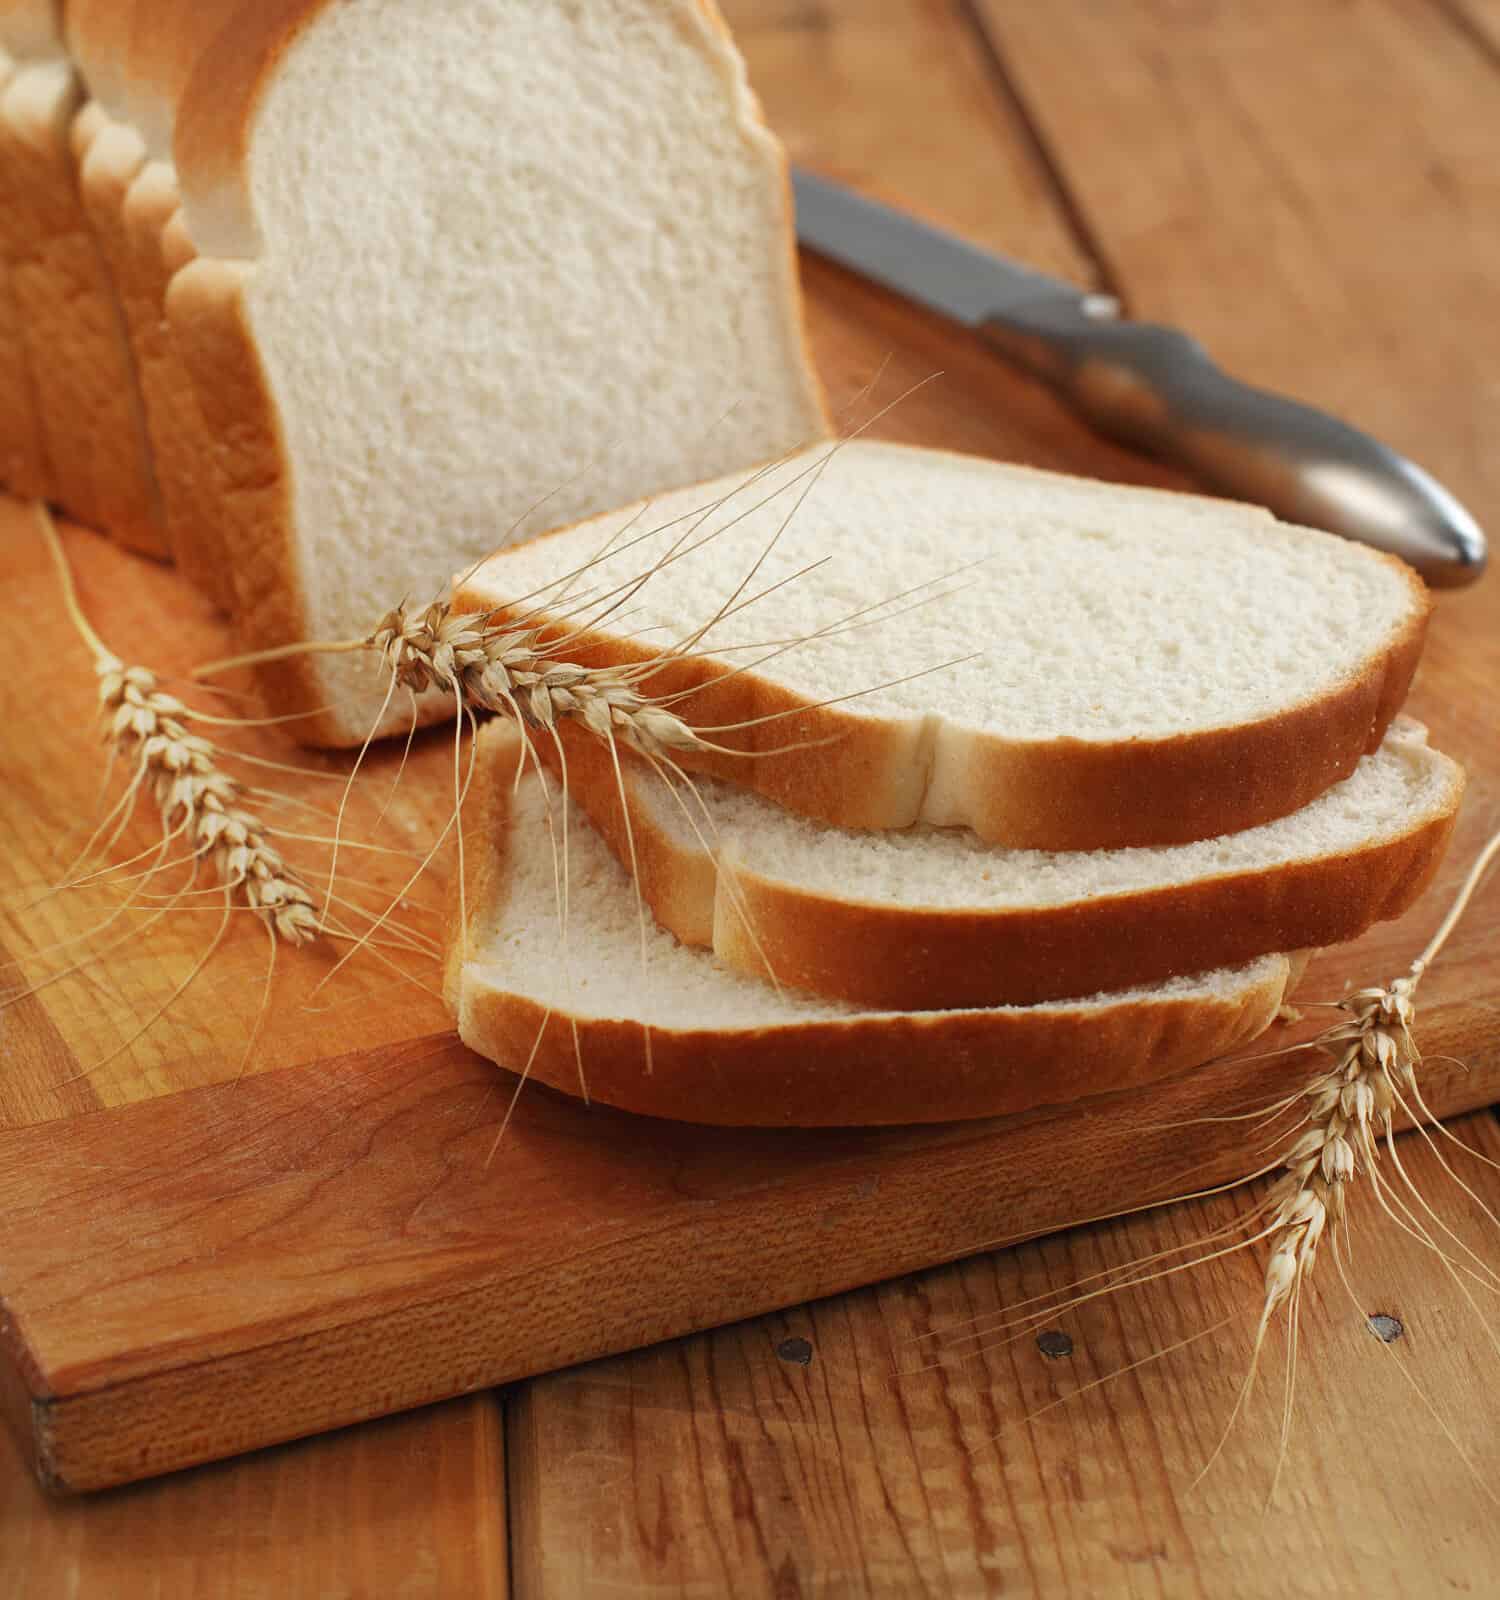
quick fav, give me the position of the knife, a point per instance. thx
(1155, 387)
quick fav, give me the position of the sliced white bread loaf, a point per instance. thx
(23, 462)
(1132, 666)
(933, 917)
(87, 400)
(729, 1049)
(469, 271)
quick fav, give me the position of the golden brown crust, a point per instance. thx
(877, 1069)
(110, 165)
(880, 956)
(180, 436)
(904, 1068)
(836, 764)
(816, 395)
(97, 35)
(1072, 794)
(219, 102)
(205, 306)
(23, 462)
(87, 396)
(162, 42)
(909, 959)
(483, 878)
(24, 468)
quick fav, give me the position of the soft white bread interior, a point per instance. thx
(1093, 666)
(726, 1048)
(934, 917)
(468, 270)
(87, 401)
(23, 461)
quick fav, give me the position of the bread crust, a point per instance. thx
(884, 1070)
(166, 39)
(154, 48)
(186, 458)
(24, 468)
(216, 117)
(868, 1070)
(108, 166)
(205, 307)
(840, 765)
(29, 29)
(87, 403)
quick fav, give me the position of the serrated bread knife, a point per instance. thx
(1155, 387)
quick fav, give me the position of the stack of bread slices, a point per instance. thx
(1020, 787)
(1039, 789)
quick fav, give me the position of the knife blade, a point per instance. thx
(1155, 387)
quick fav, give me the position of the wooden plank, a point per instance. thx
(53, 767)
(259, 1260)
(831, 73)
(1310, 188)
(414, 1506)
(782, 1456)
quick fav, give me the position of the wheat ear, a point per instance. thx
(1349, 1113)
(199, 803)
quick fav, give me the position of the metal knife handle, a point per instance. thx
(1157, 388)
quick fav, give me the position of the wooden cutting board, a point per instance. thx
(204, 1250)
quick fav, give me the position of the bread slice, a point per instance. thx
(87, 399)
(933, 917)
(23, 462)
(1094, 666)
(730, 1049)
(468, 271)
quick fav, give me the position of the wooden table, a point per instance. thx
(1311, 187)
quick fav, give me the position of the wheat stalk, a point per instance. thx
(199, 803)
(514, 672)
(1349, 1111)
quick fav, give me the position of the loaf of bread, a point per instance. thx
(573, 1005)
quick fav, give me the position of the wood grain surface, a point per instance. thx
(1308, 186)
